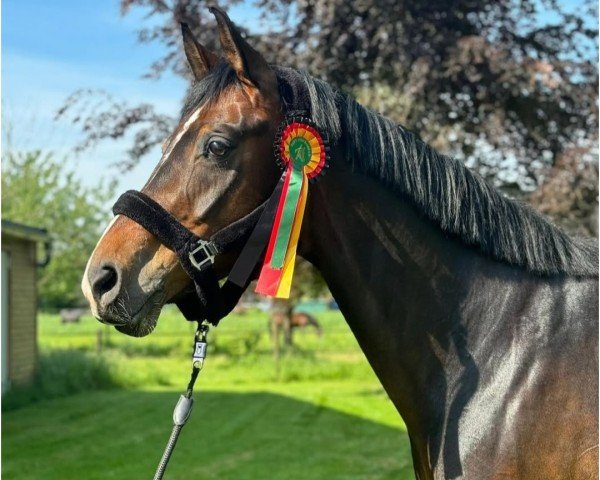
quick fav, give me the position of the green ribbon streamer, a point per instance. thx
(287, 218)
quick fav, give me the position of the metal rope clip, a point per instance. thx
(200, 346)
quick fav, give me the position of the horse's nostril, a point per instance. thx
(105, 282)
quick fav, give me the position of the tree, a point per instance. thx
(40, 191)
(569, 193)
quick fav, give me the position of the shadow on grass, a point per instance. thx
(120, 434)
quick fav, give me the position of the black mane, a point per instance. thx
(442, 188)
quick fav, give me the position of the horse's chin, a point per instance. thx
(144, 322)
(141, 328)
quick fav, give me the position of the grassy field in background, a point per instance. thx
(319, 412)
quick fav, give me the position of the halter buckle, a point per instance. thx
(203, 255)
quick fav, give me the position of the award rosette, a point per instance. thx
(302, 152)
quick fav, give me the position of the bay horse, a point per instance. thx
(479, 317)
(284, 318)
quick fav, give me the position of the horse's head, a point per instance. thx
(216, 167)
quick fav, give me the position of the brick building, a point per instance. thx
(19, 300)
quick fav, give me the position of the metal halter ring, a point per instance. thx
(203, 255)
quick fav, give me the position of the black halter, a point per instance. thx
(210, 301)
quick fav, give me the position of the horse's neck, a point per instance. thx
(399, 283)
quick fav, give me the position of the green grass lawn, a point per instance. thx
(317, 413)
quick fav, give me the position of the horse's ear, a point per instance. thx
(200, 59)
(249, 65)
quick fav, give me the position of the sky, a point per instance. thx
(52, 48)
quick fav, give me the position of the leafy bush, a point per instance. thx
(61, 373)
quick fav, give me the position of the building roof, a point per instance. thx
(26, 232)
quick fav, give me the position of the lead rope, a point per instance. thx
(183, 409)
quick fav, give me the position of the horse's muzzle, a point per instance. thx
(105, 281)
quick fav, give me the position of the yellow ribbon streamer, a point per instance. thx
(283, 290)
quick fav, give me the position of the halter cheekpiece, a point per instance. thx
(269, 233)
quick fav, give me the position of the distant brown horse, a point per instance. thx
(284, 319)
(479, 317)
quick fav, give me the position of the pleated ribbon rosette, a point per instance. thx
(302, 153)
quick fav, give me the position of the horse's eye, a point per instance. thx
(217, 148)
